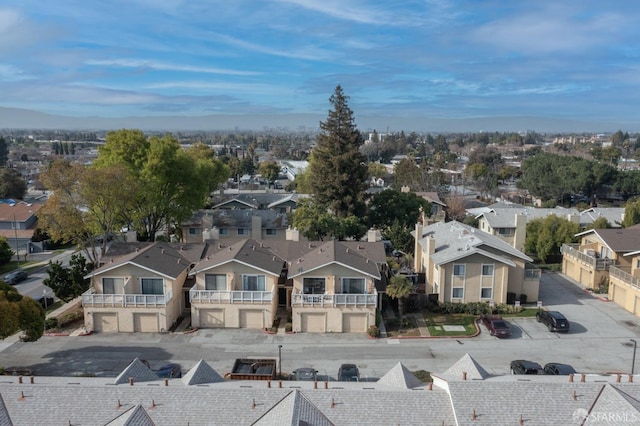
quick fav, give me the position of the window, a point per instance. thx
(486, 293)
(112, 285)
(215, 282)
(271, 231)
(505, 232)
(487, 270)
(458, 270)
(152, 286)
(313, 285)
(243, 231)
(353, 285)
(457, 292)
(195, 231)
(224, 231)
(253, 282)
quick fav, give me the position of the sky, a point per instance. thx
(569, 59)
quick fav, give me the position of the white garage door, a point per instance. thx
(313, 323)
(620, 295)
(145, 323)
(105, 323)
(354, 323)
(211, 318)
(250, 318)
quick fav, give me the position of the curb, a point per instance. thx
(596, 295)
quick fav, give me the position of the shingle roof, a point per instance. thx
(294, 409)
(614, 215)
(241, 218)
(201, 373)
(468, 365)
(505, 217)
(612, 400)
(20, 211)
(135, 416)
(400, 377)
(248, 252)
(618, 240)
(5, 420)
(136, 371)
(455, 240)
(333, 252)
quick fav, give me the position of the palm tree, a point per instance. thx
(399, 288)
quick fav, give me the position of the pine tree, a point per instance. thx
(338, 171)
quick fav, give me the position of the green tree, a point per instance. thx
(349, 227)
(69, 283)
(12, 185)
(399, 236)
(545, 236)
(270, 171)
(9, 317)
(631, 213)
(389, 205)
(399, 288)
(337, 169)
(4, 152)
(32, 317)
(313, 220)
(600, 223)
(5, 251)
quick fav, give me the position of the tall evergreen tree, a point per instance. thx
(338, 171)
(4, 152)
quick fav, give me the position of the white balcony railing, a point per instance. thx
(216, 296)
(595, 262)
(125, 300)
(334, 300)
(625, 277)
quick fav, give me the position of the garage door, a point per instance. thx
(620, 295)
(211, 318)
(250, 318)
(105, 322)
(145, 323)
(354, 323)
(313, 323)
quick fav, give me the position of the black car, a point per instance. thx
(554, 320)
(15, 277)
(348, 373)
(169, 371)
(557, 369)
(521, 366)
(305, 374)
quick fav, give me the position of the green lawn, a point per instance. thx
(435, 323)
(525, 313)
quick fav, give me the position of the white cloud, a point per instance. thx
(142, 63)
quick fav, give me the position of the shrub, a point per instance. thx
(70, 318)
(51, 323)
(373, 331)
(288, 327)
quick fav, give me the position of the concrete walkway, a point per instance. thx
(422, 325)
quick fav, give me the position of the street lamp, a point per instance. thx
(44, 296)
(280, 361)
(633, 361)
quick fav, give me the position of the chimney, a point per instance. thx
(131, 381)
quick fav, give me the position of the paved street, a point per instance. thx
(598, 342)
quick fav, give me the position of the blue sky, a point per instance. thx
(569, 59)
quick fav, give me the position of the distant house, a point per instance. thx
(18, 223)
(223, 224)
(463, 264)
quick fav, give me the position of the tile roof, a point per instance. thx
(137, 371)
(201, 373)
(400, 377)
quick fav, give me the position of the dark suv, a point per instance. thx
(15, 276)
(554, 320)
(348, 373)
(521, 366)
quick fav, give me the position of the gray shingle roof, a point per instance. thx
(505, 217)
(135, 416)
(294, 409)
(333, 252)
(611, 402)
(5, 420)
(618, 240)
(400, 377)
(138, 371)
(201, 373)
(249, 252)
(468, 365)
(455, 240)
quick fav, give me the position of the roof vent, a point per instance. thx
(219, 246)
(253, 248)
(137, 249)
(179, 262)
(274, 258)
(162, 251)
(347, 250)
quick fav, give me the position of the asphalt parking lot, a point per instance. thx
(599, 341)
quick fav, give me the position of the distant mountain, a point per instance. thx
(15, 118)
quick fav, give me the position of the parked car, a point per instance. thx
(348, 373)
(169, 371)
(557, 369)
(305, 374)
(496, 326)
(554, 320)
(15, 276)
(521, 366)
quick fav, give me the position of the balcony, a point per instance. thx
(242, 297)
(625, 277)
(334, 300)
(89, 298)
(531, 272)
(592, 261)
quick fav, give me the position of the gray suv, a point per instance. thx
(15, 276)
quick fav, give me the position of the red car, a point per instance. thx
(496, 326)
